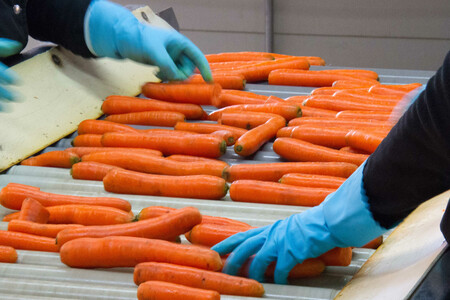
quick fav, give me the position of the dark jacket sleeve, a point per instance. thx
(412, 164)
(60, 22)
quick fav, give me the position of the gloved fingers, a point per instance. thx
(7, 76)
(265, 256)
(185, 65)
(229, 244)
(167, 67)
(9, 47)
(200, 61)
(283, 266)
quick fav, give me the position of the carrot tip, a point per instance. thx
(223, 147)
(238, 148)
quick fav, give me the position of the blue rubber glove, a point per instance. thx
(113, 31)
(342, 220)
(7, 48)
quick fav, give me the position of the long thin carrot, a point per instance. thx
(359, 73)
(87, 140)
(190, 186)
(127, 251)
(246, 120)
(312, 180)
(190, 158)
(333, 137)
(313, 60)
(364, 114)
(310, 111)
(229, 66)
(8, 254)
(115, 104)
(227, 80)
(238, 56)
(337, 257)
(365, 139)
(286, 110)
(149, 118)
(367, 96)
(352, 83)
(207, 280)
(25, 241)
(161, 290)
(331, 90)
(274, 171)
(199, 145)
(298, 150)
(208, 128)
(339, 104)
(90, 170)
(48, 230)
(102, 126)
(202, 94)
(33, 211)
(234, 97)
(393, 89)
(335, 122)
(12, 196)
(80, 151)
(57, 159)
(88, 215)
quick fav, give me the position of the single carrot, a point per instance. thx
(190, 158)
(228, 66)
(359, 73)
(11, 216)
(245, 120)
(364, 114)
(313, 60)
(12, 196)
(375, 243)
(190, 186)
(25, 241)
(80, 151)
(209, 128)
(286, 110)
(48, 230)
(274, 171)
(335, 122)
(90, 170)
(199, 145)
(298, 150)
(149, 118)
(8, 254)
(127, 251)
(365, 95)
(161, 290)
(56, 159)
(312, 180)
(226, 135)
(238, 56)
(339, 104)
(393, 89)
(337, 257)
(88, 215)
(331, 90)
(351, 83)
(210, 234)
(33, 211)
(202, 94)
(206, 280)
(333, 137)
(253, 139)
(353, 150)
(102, 126)
(115, 104)
(310, 111)
(365, 139)
(227, 80)
(87, 140)
(234, 97)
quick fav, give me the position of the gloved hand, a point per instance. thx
(7, 48)
(342, 220)
(113, 31)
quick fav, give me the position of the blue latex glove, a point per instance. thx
(113, 31)
(7, 48)
(342, 220)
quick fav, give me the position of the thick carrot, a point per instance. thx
(257, 191)
(227, 80)
(238, 56)
(202, 94)
(345, 83)
(90, 170)
(364, 114)
(366, 140)
(393, 89)
(102, 126)
(127, 251)
(87, 140)
(166, 227)
(88, 215)
(57, 159)
(335, 122)
(32, 210)
(208, 128)
(161, 290)
(337, 257)
(375, 243)
(12, 196)
(190, 186)
(246, 120)
(207, 280)
(298, 150)
(339, 104)
(333, 137)
(209, 234)
(199, 145)
(311, 267)
(253, 139)
(25, 241)
(80, 151)
(149, 118)
(359, 73)
(226, 135)
(234, 97)
(122, 104)
(274, 171)
(48, 230)
(311, 180)
(8, 254)
(286, 110)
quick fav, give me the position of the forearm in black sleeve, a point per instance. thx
(412, 164)
(60, 22)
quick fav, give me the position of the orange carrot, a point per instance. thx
(285, 110)
(87, 140)
(25, 241)
(57, 159)
(375, 243)
(238, 56)
(209, 128)
(311, 111)
(210, 234)
(8, 254)
(228, 66)
(90, 170)
(331, 90)
(102, 126)
(335, 122)
(226, 135)
(190, 158)
(234, 97)
(298, 150)
(197, 278)
(359, 73)
(393, 89)
(11, 216)
(33, 211)
(161, 290)
(337, 257)
(190, 186)
(48, 230)
(351, 83)
(353, 150)
(364, 114)
(149, 118)
(127, 251)
(365, 95)
(225, 80)
(365, 139)
(333, 137)
(80, 151)
(88, 215)
(12, 196)
(313, 60)
(311, 180)
(245, 120)
(202, 94)
(339, 104)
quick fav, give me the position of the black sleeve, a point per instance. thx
(412, 164)
(60, 22)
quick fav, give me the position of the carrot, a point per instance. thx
(33, 211)
(102, 126)
(298, 150)
(12, 196)
(210, 234)
(202, 94)
(359, 73)
(339, 104)
(253, 139)
(351, 83)
(313, 60)
(365, 139)
(238, 56)
(234, 97)
(87, 140)
(25, 241)
(149, 118)
(11, 216)
(190, 158)
(364, 114)
(335, 122)
(160, 290)
(202, 279)
(274, 171)
(285, 110)
(228, 66)
(365, 95)
(88, 215)
(225, 80)
(311, 267)
(115, 104)
(226, 135)
(337, 257)
(190, 186)
(393, 89)
(209, 128)
(311, 180)
(375, 243)
(156, 164)
(57, 159)
(80, 151)
(353, 150)
(48, 230)
(245, 120)
(199, 145)
(331, 90)
(310, 111)
(127, 251)
(8, 254)
(90, 170)
(333, 137)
